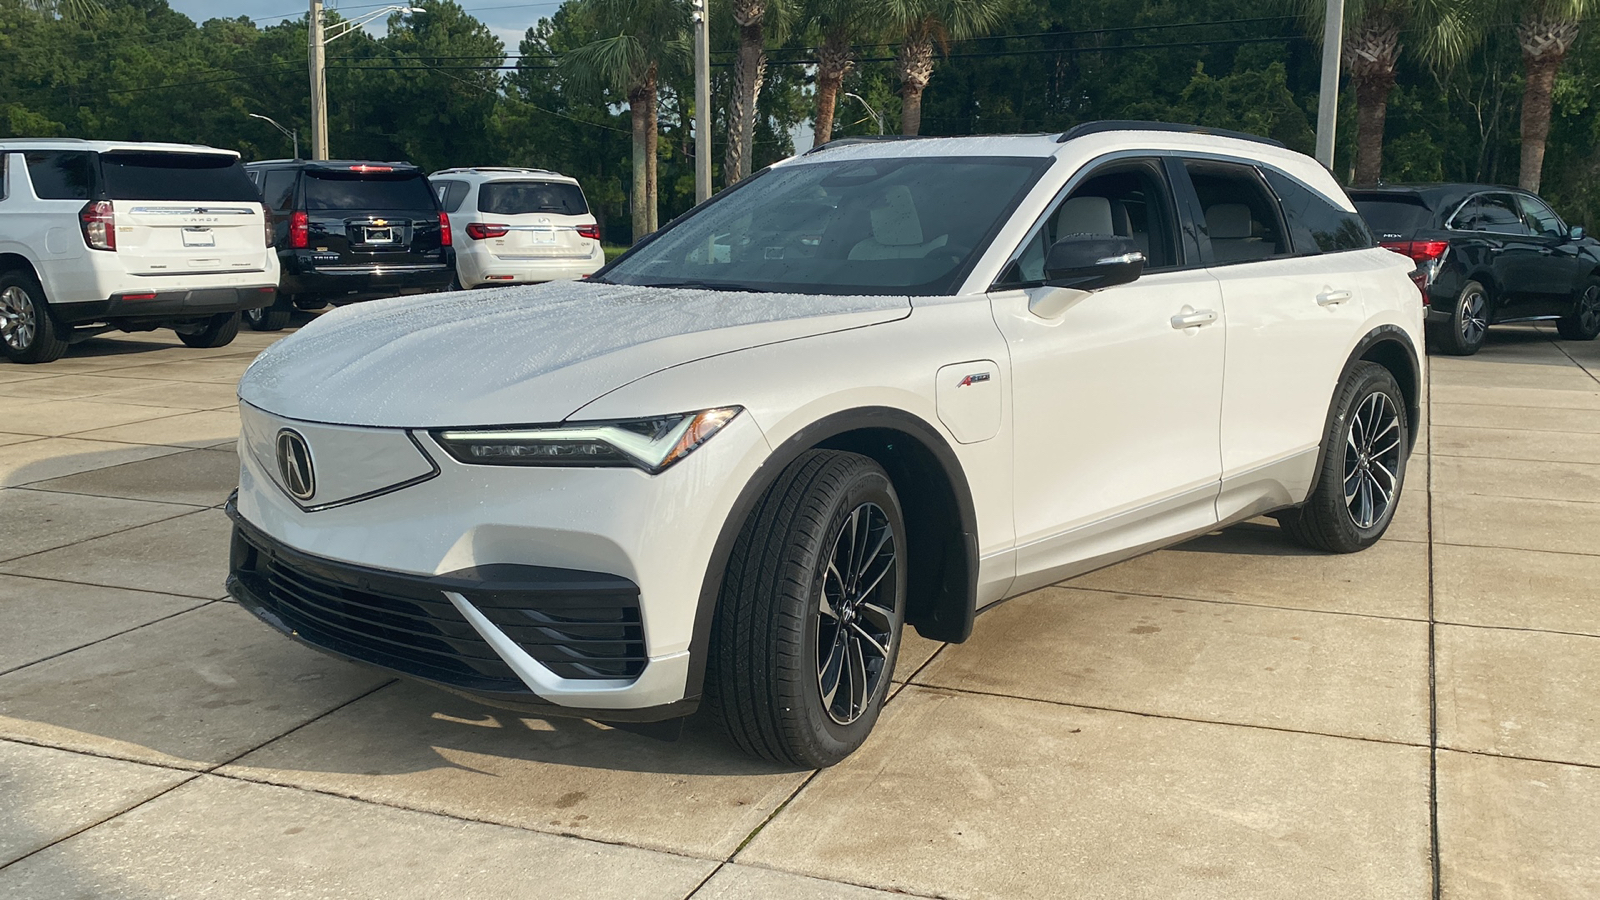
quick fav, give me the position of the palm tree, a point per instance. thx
(753, 18)
(1372, 30)
(1546, 31)
(923, 24)
(66, 9)
(646, 34)
(841, 23)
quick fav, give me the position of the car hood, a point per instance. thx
(522, 355)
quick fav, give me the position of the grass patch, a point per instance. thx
(613, 251)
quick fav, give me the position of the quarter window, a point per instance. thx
(1540, 217)
(1317, 224)
(450, 194)
(60, 174)
(1122, 199)
(1237, 212)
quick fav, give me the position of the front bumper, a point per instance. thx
(511, 636)
(145, 306)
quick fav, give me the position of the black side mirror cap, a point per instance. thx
(1088, 262)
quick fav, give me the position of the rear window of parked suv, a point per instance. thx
(515, 198)
(1396, 217)
(365, 190)
(176, 176)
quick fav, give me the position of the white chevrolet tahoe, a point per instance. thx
(98, 236)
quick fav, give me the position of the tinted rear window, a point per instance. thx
(360, 191)
(176, 176)
(1395, 218)
(60, 174)
(514, 198)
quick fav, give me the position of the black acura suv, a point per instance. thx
(1487, 255)
(349, 230)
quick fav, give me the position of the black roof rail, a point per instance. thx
(1089, 128)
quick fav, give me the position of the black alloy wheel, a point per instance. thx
(855, 628)
(808, 621)
(1584, 322)
(1363, 466)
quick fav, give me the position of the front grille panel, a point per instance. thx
(585, 628)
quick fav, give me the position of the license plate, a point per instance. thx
(542, 236)
(199, 237)
(380, 235)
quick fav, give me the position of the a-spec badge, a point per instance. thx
(294, 465)
(974, 378)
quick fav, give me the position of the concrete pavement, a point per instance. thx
(1234, 717)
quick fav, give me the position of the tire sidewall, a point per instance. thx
(1458, 341)
(1367, 381)
(1574, 326)
(835, 741)
(47, 343)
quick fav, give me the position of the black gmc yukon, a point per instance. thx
(348, 230)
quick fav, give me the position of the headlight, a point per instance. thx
(650, 444)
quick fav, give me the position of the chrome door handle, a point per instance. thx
(1194, 319)
(1333, 298)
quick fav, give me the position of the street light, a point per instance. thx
(872, 112)
(319, 75)
(291, 135)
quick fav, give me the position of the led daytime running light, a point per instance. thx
(650, 444)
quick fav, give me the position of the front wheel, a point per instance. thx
(270, 318)
(217, 331)
(1583, 324)
(1363, 466)
(809, 617)
(1469, 322)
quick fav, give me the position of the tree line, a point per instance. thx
(1456, 90)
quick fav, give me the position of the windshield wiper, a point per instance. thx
(708, 285)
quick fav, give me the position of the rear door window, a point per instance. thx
(334, 190)
(1395, 218)
(1498, 214)
(185, 177)
(60, 174)
(1316, 223)
(515, 198)
(1238, 213)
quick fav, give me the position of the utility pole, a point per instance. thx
(319, 85)
(1328, 99)
(702, 101)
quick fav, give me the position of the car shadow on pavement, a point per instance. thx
(1253, 538)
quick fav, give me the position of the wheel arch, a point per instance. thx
(11, 261)
(1391, 347)
(941, 520)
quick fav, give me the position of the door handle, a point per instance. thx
(1333, 298)
(1194, 318)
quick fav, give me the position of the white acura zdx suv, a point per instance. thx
(883, 383)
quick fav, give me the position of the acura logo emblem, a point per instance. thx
(294, 465)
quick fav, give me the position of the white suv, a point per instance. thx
(518, 226)
(103, 235)
(883, 383)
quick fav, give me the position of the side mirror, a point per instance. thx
(1092, 262)
(1575, 233)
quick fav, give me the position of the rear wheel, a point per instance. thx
(217, 331)
(1363, 466)
(28, 332)
(809, 617)
(1584, 322)
(1469, 322)
(270, 318)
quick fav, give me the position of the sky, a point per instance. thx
(507, 19)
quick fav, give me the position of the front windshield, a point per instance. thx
(877, 226)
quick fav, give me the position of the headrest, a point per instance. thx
(894, 221)
(1084, 215)
(1229, 221)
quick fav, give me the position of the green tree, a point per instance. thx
(1445, 31)
(923, 24)
(840, 24)
(642, 36)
